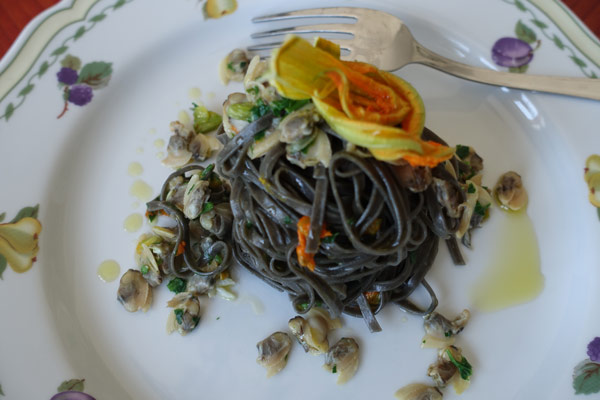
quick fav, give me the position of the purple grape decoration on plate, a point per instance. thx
(516, 53)
(78, 83)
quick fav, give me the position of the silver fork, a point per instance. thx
(383, 40)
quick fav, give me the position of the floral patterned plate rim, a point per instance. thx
(86, 96)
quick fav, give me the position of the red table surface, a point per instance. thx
(15, 14)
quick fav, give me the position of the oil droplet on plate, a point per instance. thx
(211, 95)
(514, 275)
(184, 118)
(135, 169)
(135, 204)
(133, 222)
(109, 270)
(152, 131)
(160, 155)
(194, 93)
(159, 143)
(141, 190)
(139, 150)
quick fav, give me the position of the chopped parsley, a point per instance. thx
(218, 318)
(260, 135)
(260, 109)
(230, 66)
(178, 315)
(217, 258)
(350, 221)
(253, 90)
(464, 368)
(206, 173)
(334, 369)
(481, 210)
(304, 306)
(471, 188)
(207, 207)
(286, 106)
(448, 333)
(249, 224)
(462, 151)
(144, 269)
(194, 106)
(177, 285)
(243, 64)
(287, 220)
(331, 238)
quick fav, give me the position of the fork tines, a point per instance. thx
(333, 13)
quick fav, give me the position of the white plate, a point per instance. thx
(60, 322)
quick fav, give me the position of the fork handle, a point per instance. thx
(580, 87)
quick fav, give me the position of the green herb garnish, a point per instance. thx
(448, 333)
(260, 135)
(144, 269)
(230, 66)
(471, 188)
(287, 220)
(331, 238)
(464, 368)
(481, 210)
(287, 106)
(260, 109)
(207, 207)
(462, 151)
(177, 285)
(178, 315)
(243, 64)
(205, 175)
(253, 90)
(249, 224)
(334, 369)
(350, 221)
(218, 259)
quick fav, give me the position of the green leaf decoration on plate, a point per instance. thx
(539, 24)
(98, 18)
(558, 42)
(525, 33)
(578, 61)
(43, 68)
(80, 32)
(26, 90)
(520, 6)
(95, 74)
(71, 384)
(8, 112)
(586, 377)
(31, 212)
(119, 4)
(60, 50)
